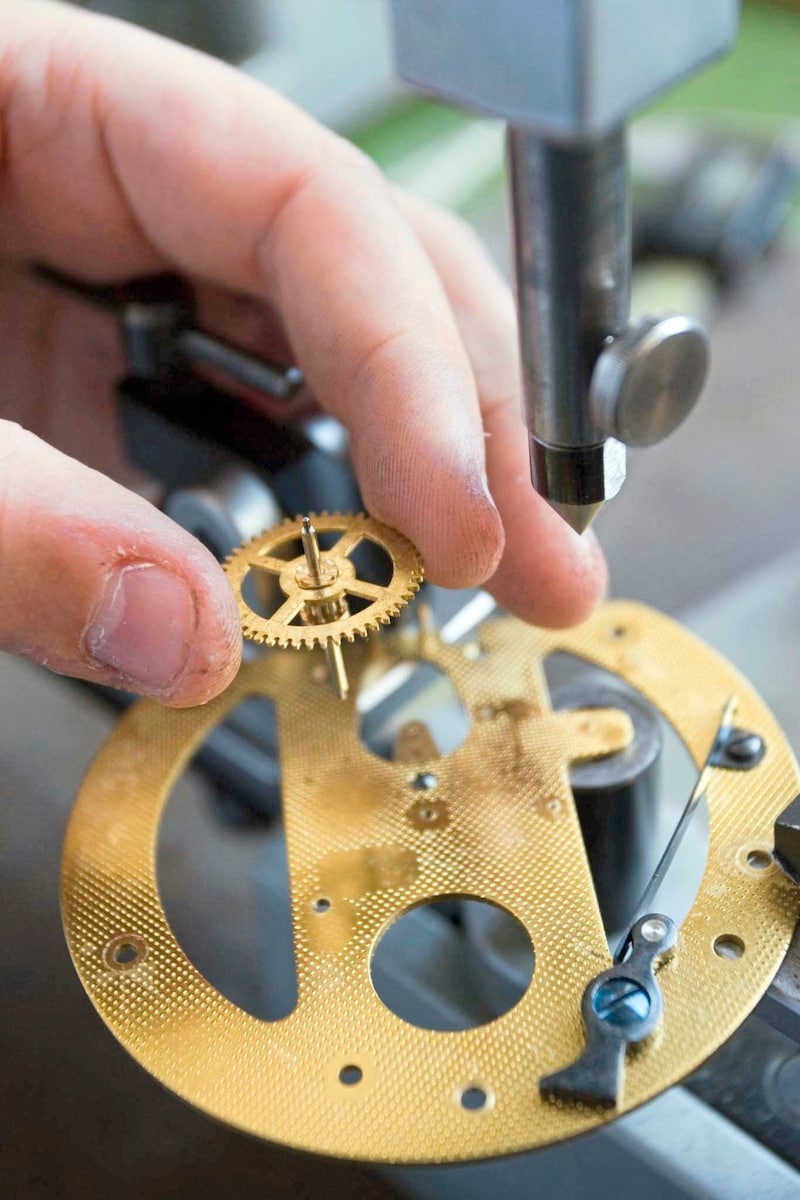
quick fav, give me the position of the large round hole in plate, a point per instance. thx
(453, 963)
(223, 873)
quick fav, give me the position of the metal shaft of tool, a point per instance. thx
(572, 247)
(337, 672)
(197, 347)
(676, 837)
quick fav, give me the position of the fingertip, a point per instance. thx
(138, 604)
(585, 585)
(549, 575)
(560, 585)
(465, 553)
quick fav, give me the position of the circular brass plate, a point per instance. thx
(511, 837)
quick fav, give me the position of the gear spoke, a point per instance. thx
(288, 610)
(365, 590)
(347, 543)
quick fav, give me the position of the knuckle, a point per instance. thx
(343, 156)
(338, 169)
(368, 361)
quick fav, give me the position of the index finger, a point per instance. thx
(190, 163)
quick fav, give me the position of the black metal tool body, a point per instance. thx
(160, 334)
(787, 840)
(179, 426)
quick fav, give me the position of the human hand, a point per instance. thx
(124, 154)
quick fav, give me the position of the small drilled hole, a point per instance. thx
(474, 1099)
(423, 781)
(473, 651)
(428, 814)
(729, 945)
(321, 904)
(759, 860)
(619, 631)
(124, 951)
(350, 1075)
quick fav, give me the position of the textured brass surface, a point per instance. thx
(324, 609)
(361, 854)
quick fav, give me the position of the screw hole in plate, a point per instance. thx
(759, 860)
(467, 995)
(423, 781)
(321, 905)
(350, 1075)
(124, 951)
(474, 651)
(728, 945)
(618, 631)
(474, 1098)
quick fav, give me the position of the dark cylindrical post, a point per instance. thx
(616, 798)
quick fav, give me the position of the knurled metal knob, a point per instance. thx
(647, 380)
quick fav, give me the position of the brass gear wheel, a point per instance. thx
(323, 608)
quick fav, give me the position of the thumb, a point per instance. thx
(95, 582)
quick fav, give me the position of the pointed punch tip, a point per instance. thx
(578, 516)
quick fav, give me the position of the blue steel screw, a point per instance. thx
(622, 1003)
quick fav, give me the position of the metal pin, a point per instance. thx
(333, 650)
(336, 669)
(426, 625)
(311, 551)
(676, 837)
